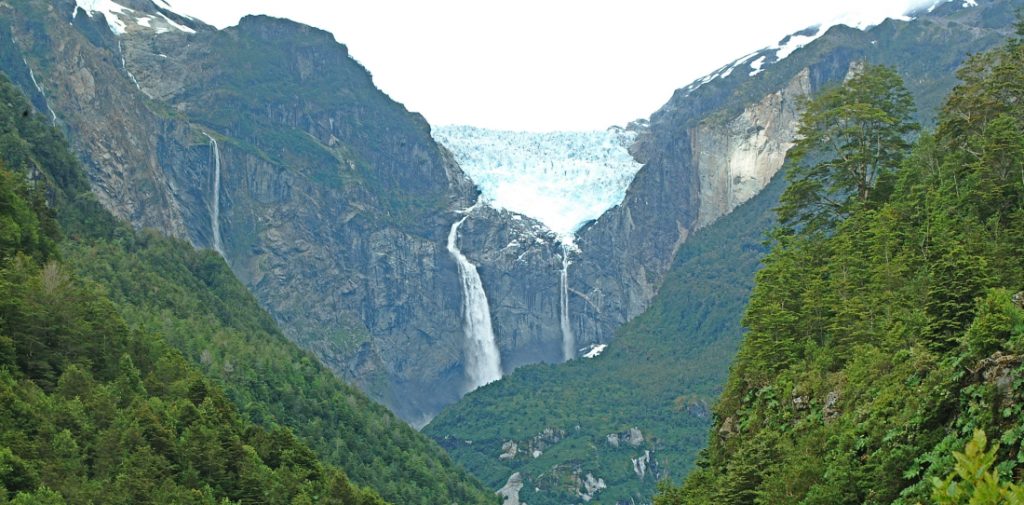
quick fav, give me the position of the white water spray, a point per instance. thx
(483, 360)
(215, 204)
(568, 338)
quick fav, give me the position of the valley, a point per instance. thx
(439, 314)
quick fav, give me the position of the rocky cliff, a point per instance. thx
(736, 159)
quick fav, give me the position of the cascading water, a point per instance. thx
(568, 338)
(124, 66)
(483, 360)
(39, 88)
(562, 179)
(215, 204)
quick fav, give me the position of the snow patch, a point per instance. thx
(794, 42)
(562, 179)
(757, 65)
(176, 26)
(595, 351)
(110, 10)
(118, 16)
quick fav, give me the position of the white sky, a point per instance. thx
(544, 65)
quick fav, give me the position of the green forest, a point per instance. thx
(135, 368)
(884, 357)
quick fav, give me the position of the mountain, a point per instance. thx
(332, 203)
(883, 342)
(713, 145)
(357, 232)
(192, 301)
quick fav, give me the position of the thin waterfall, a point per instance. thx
(483, 360)
(215, 200)
(124, 66)
(568, 338)
(39, 88)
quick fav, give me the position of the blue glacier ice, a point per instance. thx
(562, 179)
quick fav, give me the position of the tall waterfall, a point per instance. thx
(483, 361)
(568, 339)
(215, 204)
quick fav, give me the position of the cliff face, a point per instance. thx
(702, 160)
(718, 141)
(80, 81)
(736, 159)
(519, 264)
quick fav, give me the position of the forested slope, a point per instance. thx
(93, 410)
(173, 297)
(887, 326)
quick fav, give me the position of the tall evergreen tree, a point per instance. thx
(850, 139)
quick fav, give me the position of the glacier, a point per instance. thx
(562, 179)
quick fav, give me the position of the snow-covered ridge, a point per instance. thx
(120, 18)
(761, 59)
(562, 179)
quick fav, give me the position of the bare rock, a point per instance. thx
(830, 411)
(509, 493)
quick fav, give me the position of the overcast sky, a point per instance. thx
(547, 64)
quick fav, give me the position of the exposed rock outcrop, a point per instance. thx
(509, 493)
(735, 160)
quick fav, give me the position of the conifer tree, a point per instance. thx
(850, 139)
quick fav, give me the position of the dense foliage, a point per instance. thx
(94, 412)
(849, 141)
(973, 480)
(877, 347)
(165, 294)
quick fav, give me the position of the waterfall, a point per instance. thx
(39, 88)
(124, 66)
(483, 361)
(215, 204)
(568, 339)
